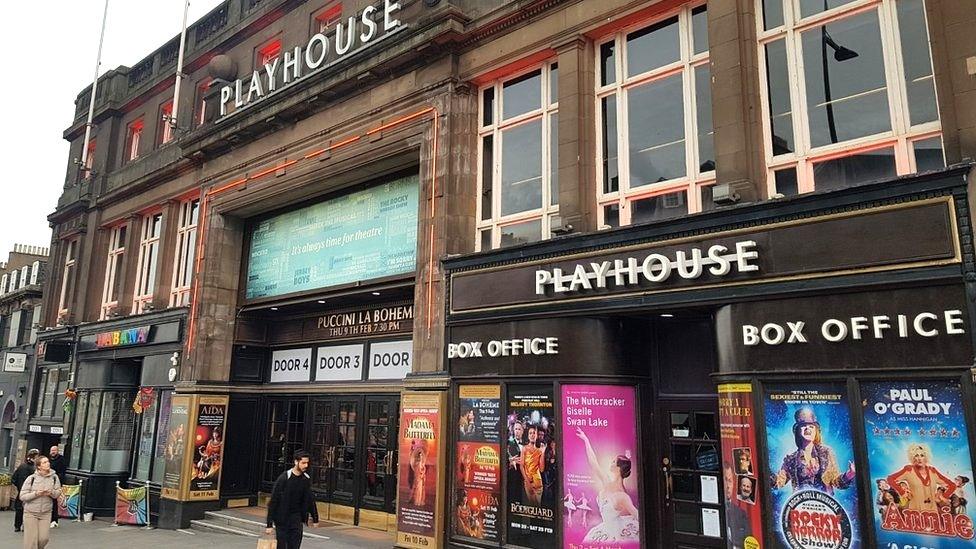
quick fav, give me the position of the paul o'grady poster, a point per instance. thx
(921, 468)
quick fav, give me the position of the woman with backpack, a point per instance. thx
(39, 493)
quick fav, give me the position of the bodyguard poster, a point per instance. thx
(814, 493)
(920, 465)
(477, 466)
(600, 478)
(530, 492)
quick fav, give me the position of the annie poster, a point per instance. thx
(477, 466)
(814, 496)
(530, 492)
(743, 502)
(418, 517)
(600, 477)
(921, 469)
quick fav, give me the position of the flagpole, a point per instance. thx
(174, 116)
(94, 88)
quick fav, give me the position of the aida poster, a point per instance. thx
(477, 466)
(814, 495)
(419, 519)
(531, 449)
(600, 465)
(740, 472)
(920, 465)
(208, 448)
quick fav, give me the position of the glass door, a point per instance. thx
(380, 466)
(345, 459)
(689, 462)
(286, 434)
(321, 442)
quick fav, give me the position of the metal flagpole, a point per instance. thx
(94, 89)
(174, 116)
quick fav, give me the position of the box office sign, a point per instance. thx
(862, 329)
(912, 234)
(194, 449)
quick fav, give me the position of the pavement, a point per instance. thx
(104, 535)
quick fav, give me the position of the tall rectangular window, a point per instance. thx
(133, 136)
(186, 239)
(166, 123)
(200, 115)
(114, 272)
(518, 199)
(68, 273)
(90, 158)
(849, 93)
(148, 262)
(654, 110)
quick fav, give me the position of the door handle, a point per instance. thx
(668, 483)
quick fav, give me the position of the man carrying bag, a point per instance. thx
(291, 504)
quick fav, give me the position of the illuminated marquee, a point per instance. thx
(121, 338)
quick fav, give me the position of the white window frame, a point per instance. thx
(201, 108)
(67, 273)
(902, 135)
(133, 137)
(165, 118)
(116, 254)
(186, 241)
(549, 212)
(325, 22)
(148, 262)
(694, 181)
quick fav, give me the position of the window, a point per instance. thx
(14, 277)
(133, 135)
(68, 280)
(325, 20)
(114, 272)
(654, 114)
(52, 383)
(849, 92)
(151, 443)
(518, 187)
(186, 240)
(25, 330)
(90, 158)
(166, 123)
(115, 432)
(3, 284)
(77, 439)
(148, 256)
(201, 110)
(268, 53)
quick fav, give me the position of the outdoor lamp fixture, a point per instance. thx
(840, 52)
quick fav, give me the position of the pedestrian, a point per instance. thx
(291, 503)
(60, 467)
(23, 471)
(40, 492)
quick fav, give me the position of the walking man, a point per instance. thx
(40, 492)
(60, 467)
(291, 503)
(23, 471)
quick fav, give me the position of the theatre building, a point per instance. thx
(535, 274)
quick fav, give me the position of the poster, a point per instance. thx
(530, 492)
(600, 464)
(175, 449)
(814, 495)
(477, 467)
(418, 515)
(132, 506)
(208, 448)
(920, 465)
(743, 502)
(70, 501)
(366, 234)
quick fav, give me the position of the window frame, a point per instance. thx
(165, 133)
(146, 272)
(326, 18)
(185, 252)
(694, 181)
(200, 110)
(267, 52)
(114, 257)
(901, 136)
(133, 138)
(68, 275)
(547, 112)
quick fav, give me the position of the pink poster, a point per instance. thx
(600, 484)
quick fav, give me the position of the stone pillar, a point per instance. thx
(576, 144)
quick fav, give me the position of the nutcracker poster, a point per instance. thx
(920, 464)
(419, 519)
(531, 449)
(740, 466)
(477, 462)
(601, 494)
(814, 492)
(208, 448)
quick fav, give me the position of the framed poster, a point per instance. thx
(530, 493)
(178, 427)
(814, 493)
(740, 466)
(477, 462)
(600, 477)
(920, 464)
(419, 516)
(206, 461)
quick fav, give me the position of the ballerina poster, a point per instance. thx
(600, 477)
(531, 459)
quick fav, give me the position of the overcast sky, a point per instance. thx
(60, 41)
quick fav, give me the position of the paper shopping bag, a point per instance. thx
(266, 542)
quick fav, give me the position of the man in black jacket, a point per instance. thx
(291, 503)
(60, 467)
(23, 471)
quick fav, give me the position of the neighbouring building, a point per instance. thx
(537, 274)
(21, 280)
